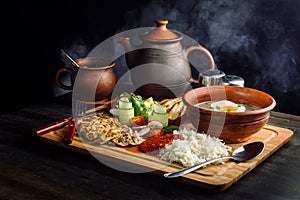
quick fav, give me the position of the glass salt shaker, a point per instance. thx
(210, 78)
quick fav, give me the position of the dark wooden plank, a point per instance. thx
(285, 120)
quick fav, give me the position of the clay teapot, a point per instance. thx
(164, 60)
(95, 79)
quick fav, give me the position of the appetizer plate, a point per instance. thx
(213, 177)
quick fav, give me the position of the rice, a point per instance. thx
(194, 149)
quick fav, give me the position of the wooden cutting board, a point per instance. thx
(212, 177)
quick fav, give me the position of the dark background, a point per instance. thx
(258, 40)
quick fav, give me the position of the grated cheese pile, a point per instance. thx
(194, 149)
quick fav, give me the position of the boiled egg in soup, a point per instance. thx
(227, 106)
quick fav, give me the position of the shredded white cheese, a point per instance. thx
(194, 149)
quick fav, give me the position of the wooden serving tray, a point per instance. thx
(212, 177)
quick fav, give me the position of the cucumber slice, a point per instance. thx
(159, 108)
(125, 103)
(125, 94)
(124, 99)
(125, 114)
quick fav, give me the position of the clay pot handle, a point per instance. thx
(198, 47)
(203, 50)
(58, 78)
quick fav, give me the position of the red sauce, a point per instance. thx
(156, 142)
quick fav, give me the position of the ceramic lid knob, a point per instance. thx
(161, 32)
(161, 23)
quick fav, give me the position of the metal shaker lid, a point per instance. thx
(212, 77)
(233, 80)
(212, 73)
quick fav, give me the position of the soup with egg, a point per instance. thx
(226, 106)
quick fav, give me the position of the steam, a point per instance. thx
(258, 40)
(247, 38)
(77, 49)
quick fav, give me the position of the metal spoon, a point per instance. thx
(69, 57)
(241, 154)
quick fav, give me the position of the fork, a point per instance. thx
(79, 108)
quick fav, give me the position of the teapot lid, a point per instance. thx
(161, 33)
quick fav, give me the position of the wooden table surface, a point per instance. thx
(32, 169)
